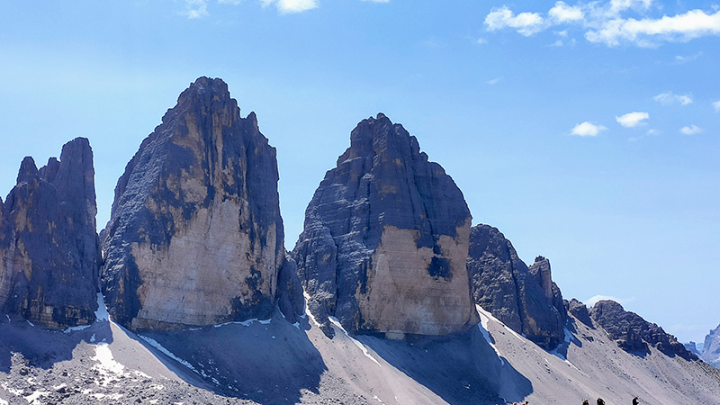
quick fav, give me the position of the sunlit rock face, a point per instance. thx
(525, 299)
(195, 237)
(385, 240)
(49, 246)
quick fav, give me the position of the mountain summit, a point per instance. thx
(385, 239)
(195, 236)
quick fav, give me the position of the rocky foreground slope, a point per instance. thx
(49, 251)
(196, 237)
(386, 238)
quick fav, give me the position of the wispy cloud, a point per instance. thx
(649, 133)
(633, 119)
(680, 59)
(691, 130)
(494, 81)
(378, 1)
(668, 98)
(195, 9)
(481, 41)
(605, 23)
(594, 300)
(716, 105)
(587, 129)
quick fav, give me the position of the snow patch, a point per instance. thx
(103, 355)
(102, 313)
(3, 402)
(165, 351)
(307, 310)
(34, 398)
(483, 326)
(75, 328)
(336, 322)
(92, 338)
(243, 323)
(31, 324)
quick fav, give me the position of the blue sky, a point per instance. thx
(586, 132)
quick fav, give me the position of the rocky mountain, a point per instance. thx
(634, 334)
(195, 236)
(49, 246)
(711, 347)
(525, 299)
(692, 348)
(385, 240)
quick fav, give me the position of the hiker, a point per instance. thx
(600, 401)
(636, 401)
(586, 402)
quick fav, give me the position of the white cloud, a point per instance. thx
(195, 9)
(646, 32)
(296, 6)
(587, 129)
(559, 42)
(563, 13)
(604, 22)
(494, 81)
(594, 300)
(482, 41)
(525, 23)
(691, 130)
(652, 132)
(716, 105)
(632, 119)
(668, 98)
(233, 2)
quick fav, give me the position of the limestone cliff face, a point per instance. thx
(195, 236)
(49, 246)
(525, 299)
(711, 348)
(632, 333)
(385, 239)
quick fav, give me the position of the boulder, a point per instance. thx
(49, 246)
(385, 240)
(525, 299)
(195, 236)
(634, 334)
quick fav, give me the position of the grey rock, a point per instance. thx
(290, 298)
(523, 298)
(195, 236)
(385, 240)
(711, 348)
(49, 244)
(579, 311)
(692, 348)
(634, 334)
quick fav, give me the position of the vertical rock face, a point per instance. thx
(632, 333)
(711, 348)
(385, 239)
(49, 246)
(526, 300)
(195, 236)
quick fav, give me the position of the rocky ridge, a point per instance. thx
(634, 334)
(195, 236)
(525, 299)
(711, 348)
(385, 240)
(49, 250)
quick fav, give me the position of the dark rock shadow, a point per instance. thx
(461, 368)
(41, 347)
(268, 363)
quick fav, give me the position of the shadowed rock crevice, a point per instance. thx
(49, 250)
(385, 240)
(525, 299)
